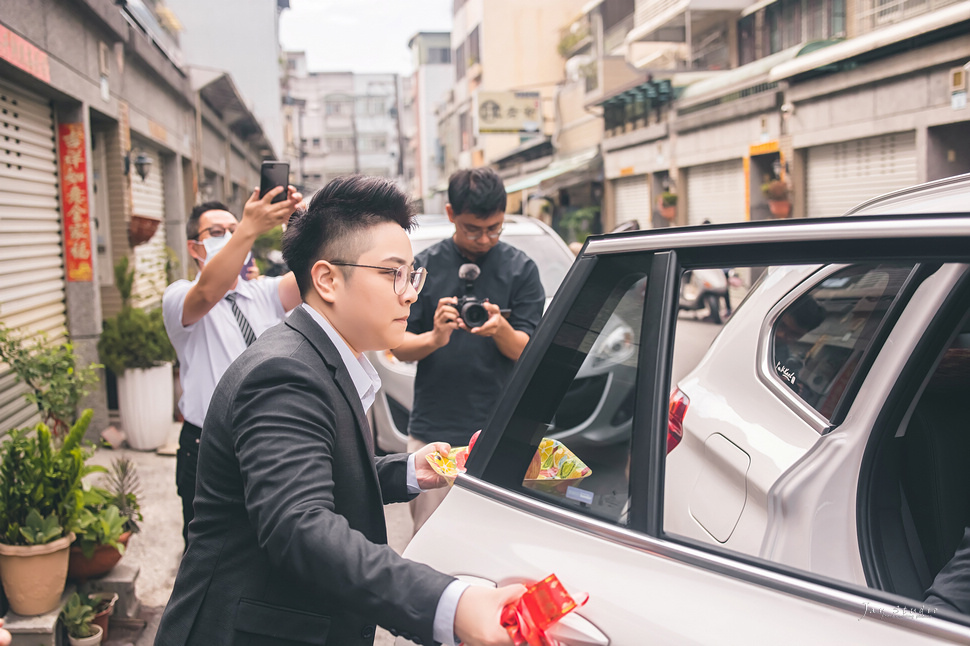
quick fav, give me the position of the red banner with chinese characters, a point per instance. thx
(74, 202)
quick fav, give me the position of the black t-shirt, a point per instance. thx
(457, 386)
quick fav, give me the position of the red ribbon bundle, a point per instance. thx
(540, 607)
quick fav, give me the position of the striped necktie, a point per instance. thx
(248, 335)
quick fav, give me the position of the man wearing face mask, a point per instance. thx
(212, 319)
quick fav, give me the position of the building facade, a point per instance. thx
(430, 82)
(102, 157)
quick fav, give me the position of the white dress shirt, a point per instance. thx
(207, 347)
(367, 382)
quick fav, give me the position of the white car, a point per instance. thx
(799, 486)
(599, 391)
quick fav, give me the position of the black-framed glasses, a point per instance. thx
(216, 231)
(474, 233)
(402, 275)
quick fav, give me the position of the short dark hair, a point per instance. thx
(330, 227)
(192, 226)
(479, 191)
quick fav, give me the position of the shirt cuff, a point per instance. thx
(444, 615)
(413, 487)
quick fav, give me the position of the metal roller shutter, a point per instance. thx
(841, 175)
(148, 200)
(715, 192)
(31, 240)
(633, 200)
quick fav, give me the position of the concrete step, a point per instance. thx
(39, 630)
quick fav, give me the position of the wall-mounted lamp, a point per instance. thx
(142, 162)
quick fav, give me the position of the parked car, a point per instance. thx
(800, 486)
(604, 381)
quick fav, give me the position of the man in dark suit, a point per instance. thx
(288, 543)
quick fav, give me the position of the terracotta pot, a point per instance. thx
(779, 208)
(82, 568)
(93, 640)
(668, 212)
(101, 619)
(34, 575)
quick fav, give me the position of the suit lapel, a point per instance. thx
(302, 322)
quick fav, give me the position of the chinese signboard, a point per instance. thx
(509, 112)
(19, 52)
(74, 201)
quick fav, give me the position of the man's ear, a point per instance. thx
(450, 211)
(191, 245)
(324, 277)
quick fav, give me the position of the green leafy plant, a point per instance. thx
(578, 223)
(52, 372)
(38, 479)
(776, 189)
(122, 483)
(77, 616)
(99, 522)
(134, 338)
(668, 199)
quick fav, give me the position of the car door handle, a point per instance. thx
(571, 630)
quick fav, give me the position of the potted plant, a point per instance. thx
(135, 347)
(101, 536)
(52, 373)
(78, 618)
(778, 199)
(668, 205)
(104, 606)
(40, 500)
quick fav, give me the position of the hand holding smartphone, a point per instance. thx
(271, 175)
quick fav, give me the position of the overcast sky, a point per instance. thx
(360, 35)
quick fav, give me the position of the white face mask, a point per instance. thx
(213, 245)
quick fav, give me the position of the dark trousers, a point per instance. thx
(186, 466)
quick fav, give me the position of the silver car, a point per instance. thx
(605, 383)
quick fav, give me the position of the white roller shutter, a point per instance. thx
(841, 175)
(148, 200)
(632, 200)
(31, 240)
(715, 192)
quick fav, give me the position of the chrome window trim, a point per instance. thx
(854, 228)
(785, 583)
(766, 372)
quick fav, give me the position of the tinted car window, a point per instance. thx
(819, 339)
(573, 420)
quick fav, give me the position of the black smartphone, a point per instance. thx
(271, 175)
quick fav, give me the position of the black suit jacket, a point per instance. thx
(288, 543)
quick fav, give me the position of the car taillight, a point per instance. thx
(677, 409)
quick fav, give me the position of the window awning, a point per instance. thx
(874, 40)
(556, 168)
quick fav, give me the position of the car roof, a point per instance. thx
(949, 195)
(439, 227)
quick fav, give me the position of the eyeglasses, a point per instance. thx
(402, 275)
(216, 231)
(474, 233)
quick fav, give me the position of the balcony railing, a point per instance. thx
(873, 14)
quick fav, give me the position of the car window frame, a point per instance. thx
(942, 238)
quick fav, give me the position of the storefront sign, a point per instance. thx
(509, 112)
(74, 201)
(17, 51)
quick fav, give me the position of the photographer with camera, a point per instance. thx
(481, 302)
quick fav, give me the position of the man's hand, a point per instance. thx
(496, 323)
(427, 477)
(478, 617)
(446, 320)
(261, 215)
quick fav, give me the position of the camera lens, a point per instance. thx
(474, 314)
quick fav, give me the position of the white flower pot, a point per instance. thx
(93, 640)
(145, 400)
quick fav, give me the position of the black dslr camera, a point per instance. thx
(470, 307)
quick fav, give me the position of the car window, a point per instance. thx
(568, 440)
(818, 340)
